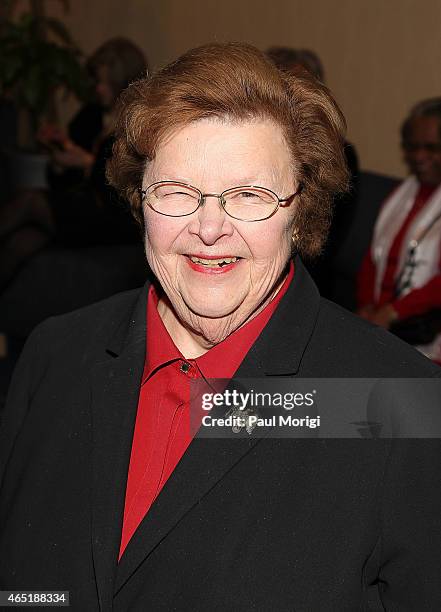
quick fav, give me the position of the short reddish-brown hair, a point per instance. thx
(236, 81)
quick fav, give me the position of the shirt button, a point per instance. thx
(185, 366)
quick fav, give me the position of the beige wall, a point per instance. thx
(380, 56)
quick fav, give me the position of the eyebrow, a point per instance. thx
(235, 182)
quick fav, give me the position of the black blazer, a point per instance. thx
(246, 524)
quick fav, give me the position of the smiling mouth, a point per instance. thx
(213, 263)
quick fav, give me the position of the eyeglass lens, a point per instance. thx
(243, 203)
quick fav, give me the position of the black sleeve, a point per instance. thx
(410, 543)
(27, 374)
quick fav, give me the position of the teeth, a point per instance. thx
(213, 262)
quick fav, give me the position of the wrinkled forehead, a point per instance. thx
(425, 129)
(231, 149)
(219, 121)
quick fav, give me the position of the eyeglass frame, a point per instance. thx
(220, 197)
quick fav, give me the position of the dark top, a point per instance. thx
(87, 210)
(242, 524)
(323, 268)
(86, 126)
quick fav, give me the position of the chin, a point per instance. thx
(211, 302)
(211, 309)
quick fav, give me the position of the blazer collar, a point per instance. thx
(131, 329)
(115, 387)
(282, 343)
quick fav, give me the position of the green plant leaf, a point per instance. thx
(59, 29)
(10, 68)
(32, 67)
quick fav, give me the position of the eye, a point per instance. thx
(248, 194)
(433, 147)
(174, 192)
(178, 194)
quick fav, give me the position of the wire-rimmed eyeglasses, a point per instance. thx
(244, 203)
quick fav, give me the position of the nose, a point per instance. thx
(419, 154)
(211, 222)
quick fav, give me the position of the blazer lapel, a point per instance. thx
(115, 382)
(204, 463)
(278, 351)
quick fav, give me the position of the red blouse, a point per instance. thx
(162, 429)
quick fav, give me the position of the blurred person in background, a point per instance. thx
(290, 59)
(399, 283)
(112, 67)
(86, 209)
(323, 268)
(79, 209)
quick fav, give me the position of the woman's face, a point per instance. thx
(103, 87)
(214, 155)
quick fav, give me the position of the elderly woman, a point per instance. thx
(230, 167)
